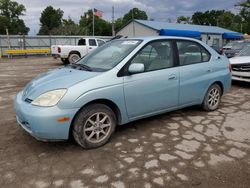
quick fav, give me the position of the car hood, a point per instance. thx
(56, 79)
(240, 60)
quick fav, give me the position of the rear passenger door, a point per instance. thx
(195, 71)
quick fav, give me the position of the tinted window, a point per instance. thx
(100, 42)
(155, 55)
(92, 42)
(191, 53)
(81, 42)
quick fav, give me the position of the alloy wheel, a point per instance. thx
(97, 127)
(213, 98)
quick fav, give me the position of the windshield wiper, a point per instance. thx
(81, 66)
(86, 67)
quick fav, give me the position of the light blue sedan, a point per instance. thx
(122, 81)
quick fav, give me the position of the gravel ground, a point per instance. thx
(184, 148)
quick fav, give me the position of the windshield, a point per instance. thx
(109, 55)
(229, 45)
(235, 45)
(245, 51)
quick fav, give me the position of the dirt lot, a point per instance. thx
(185, 148)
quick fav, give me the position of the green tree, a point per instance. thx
(136, 14)
(245, 15)
(229, 20)
(183, 19)
(102, 27)
(221, 18)
(118, 24)
(207, 18)
(50, 19)
(199, 18)
(68, 27)
(133, 13)
(10, 11)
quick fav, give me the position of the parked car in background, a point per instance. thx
(241, 65)
(122, 81)
(233, 48)
(71, 53)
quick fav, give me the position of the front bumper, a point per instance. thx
(41, 122)
(241, 76)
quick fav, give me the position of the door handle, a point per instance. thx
(172, 77)
(90, 48)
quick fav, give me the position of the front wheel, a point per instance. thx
(93, 126)
(65, 61)
(212, 99)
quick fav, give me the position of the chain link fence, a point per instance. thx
(38, 42)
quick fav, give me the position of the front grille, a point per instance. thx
(241, 67)
(28, 100)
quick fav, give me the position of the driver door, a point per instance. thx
(157, 88)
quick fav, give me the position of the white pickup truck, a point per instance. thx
(71, 54)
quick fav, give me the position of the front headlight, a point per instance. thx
(50, 98)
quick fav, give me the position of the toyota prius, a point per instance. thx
(122, 81)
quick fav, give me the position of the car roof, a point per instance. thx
(149, 38)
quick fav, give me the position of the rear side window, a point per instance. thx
(92, 42)
(192, 53)
(81, 42)
(100, 42)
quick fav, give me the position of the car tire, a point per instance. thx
(212, 98)
(93, 126)
(65, 61)
(73, 57)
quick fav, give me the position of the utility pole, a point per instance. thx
(113, 21)
(133, 21)
(8, 38)
(93, 22)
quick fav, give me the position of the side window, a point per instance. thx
(81, 42)
(100, 42)
(155, 55)
(92, 42)
(205, 55)
(191, 53)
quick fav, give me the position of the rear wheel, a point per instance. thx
(74, 57)
(93, 126)
(213, 98)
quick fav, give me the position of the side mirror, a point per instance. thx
(136, 68)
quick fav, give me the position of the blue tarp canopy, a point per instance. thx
(180, 33)
(233, 35)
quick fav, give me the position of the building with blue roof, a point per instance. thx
(212, 35)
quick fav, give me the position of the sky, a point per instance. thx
(160, 10)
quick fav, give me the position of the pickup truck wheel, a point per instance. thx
(212, 99)
(93, 126)
(73, 57)
(65, 61)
